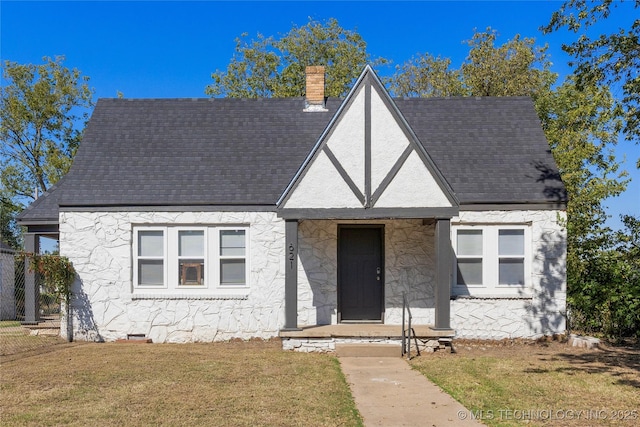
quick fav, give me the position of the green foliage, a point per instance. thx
(9, 230)
(603, 291)
(426, 76)
(274, 67)
(581, 122)
(581, 127)
(516, 68)
(39, 110)
(57, 273)
(606, 299)
(608, 59)
(43, 109)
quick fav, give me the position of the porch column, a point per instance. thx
(291, 275)
(31, 289)
(443, 273)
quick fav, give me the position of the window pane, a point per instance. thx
(232, 272)
(469, 271)
(232, 242)
(191, 243)
(150, 243)
(511, 272)
(511, 242)
(191, 272)
(150, 272)
(469, 242)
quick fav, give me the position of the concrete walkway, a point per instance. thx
(388, 392)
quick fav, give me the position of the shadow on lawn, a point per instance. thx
(622, 363)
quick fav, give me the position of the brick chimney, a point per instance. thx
(315, 88)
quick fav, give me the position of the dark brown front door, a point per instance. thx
(360, 273)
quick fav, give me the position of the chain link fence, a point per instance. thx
(16, 336)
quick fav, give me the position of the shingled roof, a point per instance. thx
(241, 152)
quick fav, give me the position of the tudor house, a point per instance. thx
(211, 219)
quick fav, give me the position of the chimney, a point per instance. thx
(315, 88)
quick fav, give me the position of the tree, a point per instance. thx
(581, 125)
(608, 300)
(516, 68)
(579, 121)
(426, 76)
(274, 67)
(608, 59)
(43, 109)
(9, 232)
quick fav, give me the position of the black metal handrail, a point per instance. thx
(408, 331)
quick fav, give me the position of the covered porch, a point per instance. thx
(415, 260)
(368, 221)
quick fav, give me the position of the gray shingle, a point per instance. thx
(245, 152)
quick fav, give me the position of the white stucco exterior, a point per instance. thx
(388, 141)
(347, 141)
(534, 311)
(322, 186)
(105, 305)
(413, 186)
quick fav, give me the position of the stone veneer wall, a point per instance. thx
(105, 308)
(409, 267)
(542, 310)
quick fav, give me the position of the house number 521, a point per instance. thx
(292, 254)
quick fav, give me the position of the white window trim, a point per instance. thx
(174, 256)
(136, 257)
(219, 257)
(211, 283)
(490, 262)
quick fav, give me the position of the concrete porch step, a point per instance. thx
(368, 350)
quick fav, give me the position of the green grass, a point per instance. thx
(221, 384)
(9, 323)
(540, 384)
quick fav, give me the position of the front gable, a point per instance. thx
(368, 162)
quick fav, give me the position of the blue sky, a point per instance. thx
(169, 49)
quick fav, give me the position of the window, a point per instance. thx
(184, 259)
(232, 257)
(469, 243)
(491, 258)
(191, 257)
(511, 257)
(150, 265)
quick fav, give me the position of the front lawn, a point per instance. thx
(220, 384)
(548, 383)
